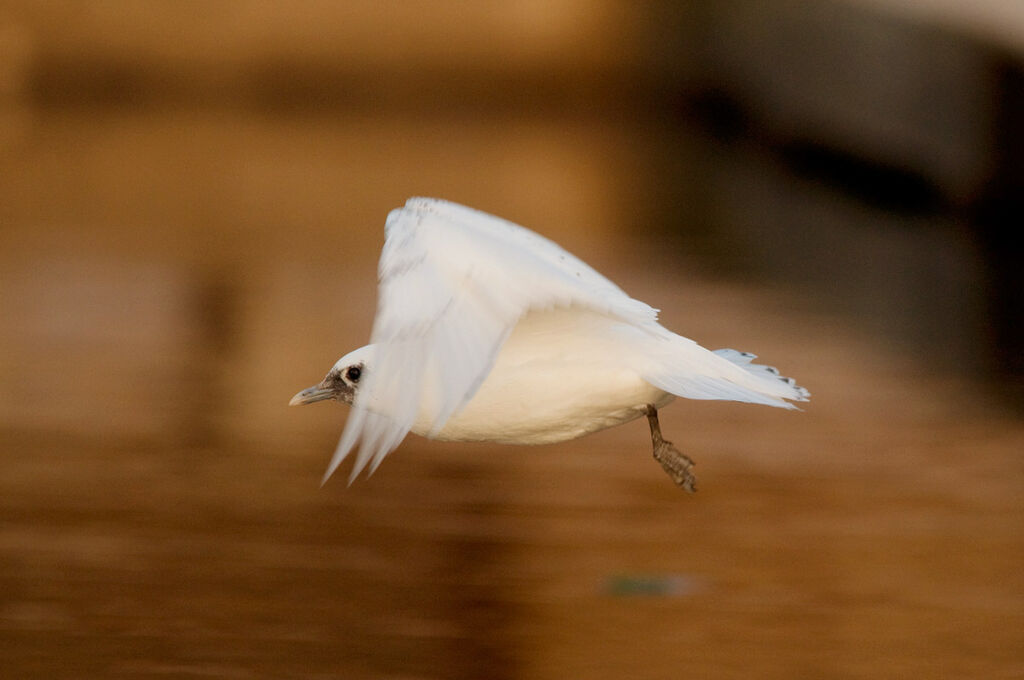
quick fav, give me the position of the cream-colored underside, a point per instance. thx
(561, 374)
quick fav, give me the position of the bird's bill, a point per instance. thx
(311, 394)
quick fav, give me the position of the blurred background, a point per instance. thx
(192, 198)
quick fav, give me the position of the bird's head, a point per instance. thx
(341, 382)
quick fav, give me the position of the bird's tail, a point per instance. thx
(682, 367)
(780, 384)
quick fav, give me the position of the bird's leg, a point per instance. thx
(677, 465)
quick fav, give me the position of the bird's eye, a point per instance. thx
(353, 373)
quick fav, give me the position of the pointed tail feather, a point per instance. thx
(769, 374)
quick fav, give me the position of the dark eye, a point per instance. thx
(353, 373)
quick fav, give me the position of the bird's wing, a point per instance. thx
(453, 283)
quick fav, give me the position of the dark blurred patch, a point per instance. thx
(288, 85)
(999, 218)
(718, 112)
(639, 585)
(214, 305)
(871, 181)
(94, 81)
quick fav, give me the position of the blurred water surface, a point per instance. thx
(161, 513)
(171, 274)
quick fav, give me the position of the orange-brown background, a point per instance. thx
(192, 198)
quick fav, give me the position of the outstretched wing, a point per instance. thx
(453, 283)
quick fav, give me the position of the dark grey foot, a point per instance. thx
(677, 465)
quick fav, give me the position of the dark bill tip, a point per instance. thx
(310, 395)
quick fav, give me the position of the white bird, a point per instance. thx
(486, 331)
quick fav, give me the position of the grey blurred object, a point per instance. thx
(877, 160)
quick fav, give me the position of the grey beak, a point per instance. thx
(311, 394)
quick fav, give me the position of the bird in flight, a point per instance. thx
(487, 331)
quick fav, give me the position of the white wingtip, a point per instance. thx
(335, 462)
(348, 438)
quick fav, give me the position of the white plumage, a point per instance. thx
(486, 331)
